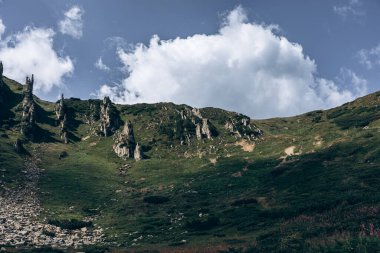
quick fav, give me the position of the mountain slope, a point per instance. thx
(303, 183)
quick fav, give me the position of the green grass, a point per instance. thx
(313, 201)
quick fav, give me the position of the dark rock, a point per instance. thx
(19, 148)
(63, 154)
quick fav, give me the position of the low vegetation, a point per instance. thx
(320, 198)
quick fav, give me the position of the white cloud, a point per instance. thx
(244, 67)
(116, 42)
(100, 65)
(31, 52)
(72, 24)
(352, 81)
(369, 57)
(352, 8)
(2, 28)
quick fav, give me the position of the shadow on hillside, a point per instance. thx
(10, 100)
(44, 117)
(42, 135)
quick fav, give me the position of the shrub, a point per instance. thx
(156, 199)
(70, 224)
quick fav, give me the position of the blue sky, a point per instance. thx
(262, 58)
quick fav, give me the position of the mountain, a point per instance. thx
(95, 176)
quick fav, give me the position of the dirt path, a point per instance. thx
(19, 217)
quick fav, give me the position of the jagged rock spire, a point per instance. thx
(128, 131)
(138, 155)
(28, 109)
(203, 130)
(1, 69)
(61, 116)
(125, 145)
(28, 90)
(109, 117)
(60, 108)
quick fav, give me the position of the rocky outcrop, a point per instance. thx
(1, 82)
(94, 112)
(60, 108)
(125, 144)
(242, 127)
(187, 125)
(203, 130)
(138, 154)
(28, 109)
(109, 117)
(61, 117)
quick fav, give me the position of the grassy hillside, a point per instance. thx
(309, 184)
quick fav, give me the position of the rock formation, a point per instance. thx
(1, 82)
(61, 117)
(28, 109)
(1, 69)
(241, 126)
(109, 118)
(94, 113)
(125, 144)
(138, 155)
(203, 130)
(187, 125)
(60, 108)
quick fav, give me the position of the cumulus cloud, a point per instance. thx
(2, 28)
(72, 24)
(353, 7)
(369, 57)
(100, 65)
(244, 67)
(31, 52)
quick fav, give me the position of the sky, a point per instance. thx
(261, 58)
